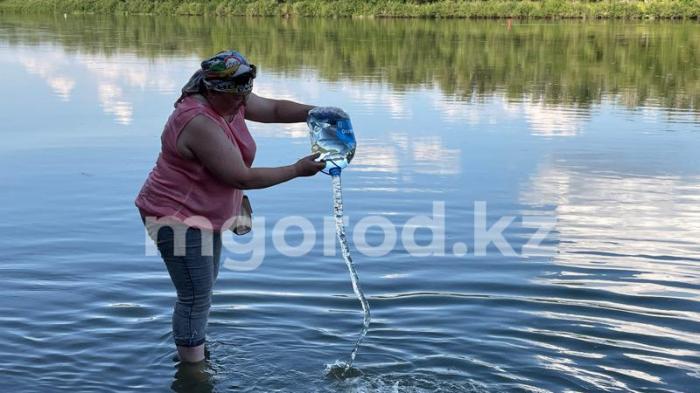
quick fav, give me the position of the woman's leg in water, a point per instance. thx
(192, 258)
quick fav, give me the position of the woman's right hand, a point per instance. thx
(307, 166)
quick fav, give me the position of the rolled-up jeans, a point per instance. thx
(192, 258)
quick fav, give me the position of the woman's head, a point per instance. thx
(228, 73)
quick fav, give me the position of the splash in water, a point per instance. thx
(340, 231)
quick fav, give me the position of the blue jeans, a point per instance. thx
(193, 270)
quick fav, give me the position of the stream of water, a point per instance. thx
(340, 369)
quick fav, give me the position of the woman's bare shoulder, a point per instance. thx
(201, 130)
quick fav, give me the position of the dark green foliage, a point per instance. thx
(622, 9)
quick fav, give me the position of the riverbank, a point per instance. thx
(632, 9)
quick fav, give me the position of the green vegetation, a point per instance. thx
(627, 9)
(572, 63)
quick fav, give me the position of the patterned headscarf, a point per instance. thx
(227, 71)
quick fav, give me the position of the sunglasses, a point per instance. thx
(245, 77)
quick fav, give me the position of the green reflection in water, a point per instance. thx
(573, 63)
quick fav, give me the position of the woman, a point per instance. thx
(205, 163)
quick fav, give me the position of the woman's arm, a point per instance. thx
(266, 110)
(207, 142)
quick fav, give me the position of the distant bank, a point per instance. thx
(605, 9)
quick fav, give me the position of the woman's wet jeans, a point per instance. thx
(192, 257)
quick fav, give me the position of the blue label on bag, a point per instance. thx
(344, 132)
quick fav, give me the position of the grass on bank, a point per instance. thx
(615, 9)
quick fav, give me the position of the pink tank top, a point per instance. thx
(184, 189)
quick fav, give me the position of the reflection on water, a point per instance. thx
(623, 222)
(629, 235)
(193, 377)
(550, 120)
(61, 85)
(377, 157)
(563, 63)
(112, 78)
(432, 157)
(424, 155)
(590, 126)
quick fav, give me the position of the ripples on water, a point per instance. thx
(608, 301)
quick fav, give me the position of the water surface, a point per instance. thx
(593, 128)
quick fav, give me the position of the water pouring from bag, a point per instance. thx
(332, 136)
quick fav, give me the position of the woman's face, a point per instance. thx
(226, 104)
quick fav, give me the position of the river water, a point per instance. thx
(523, 208)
